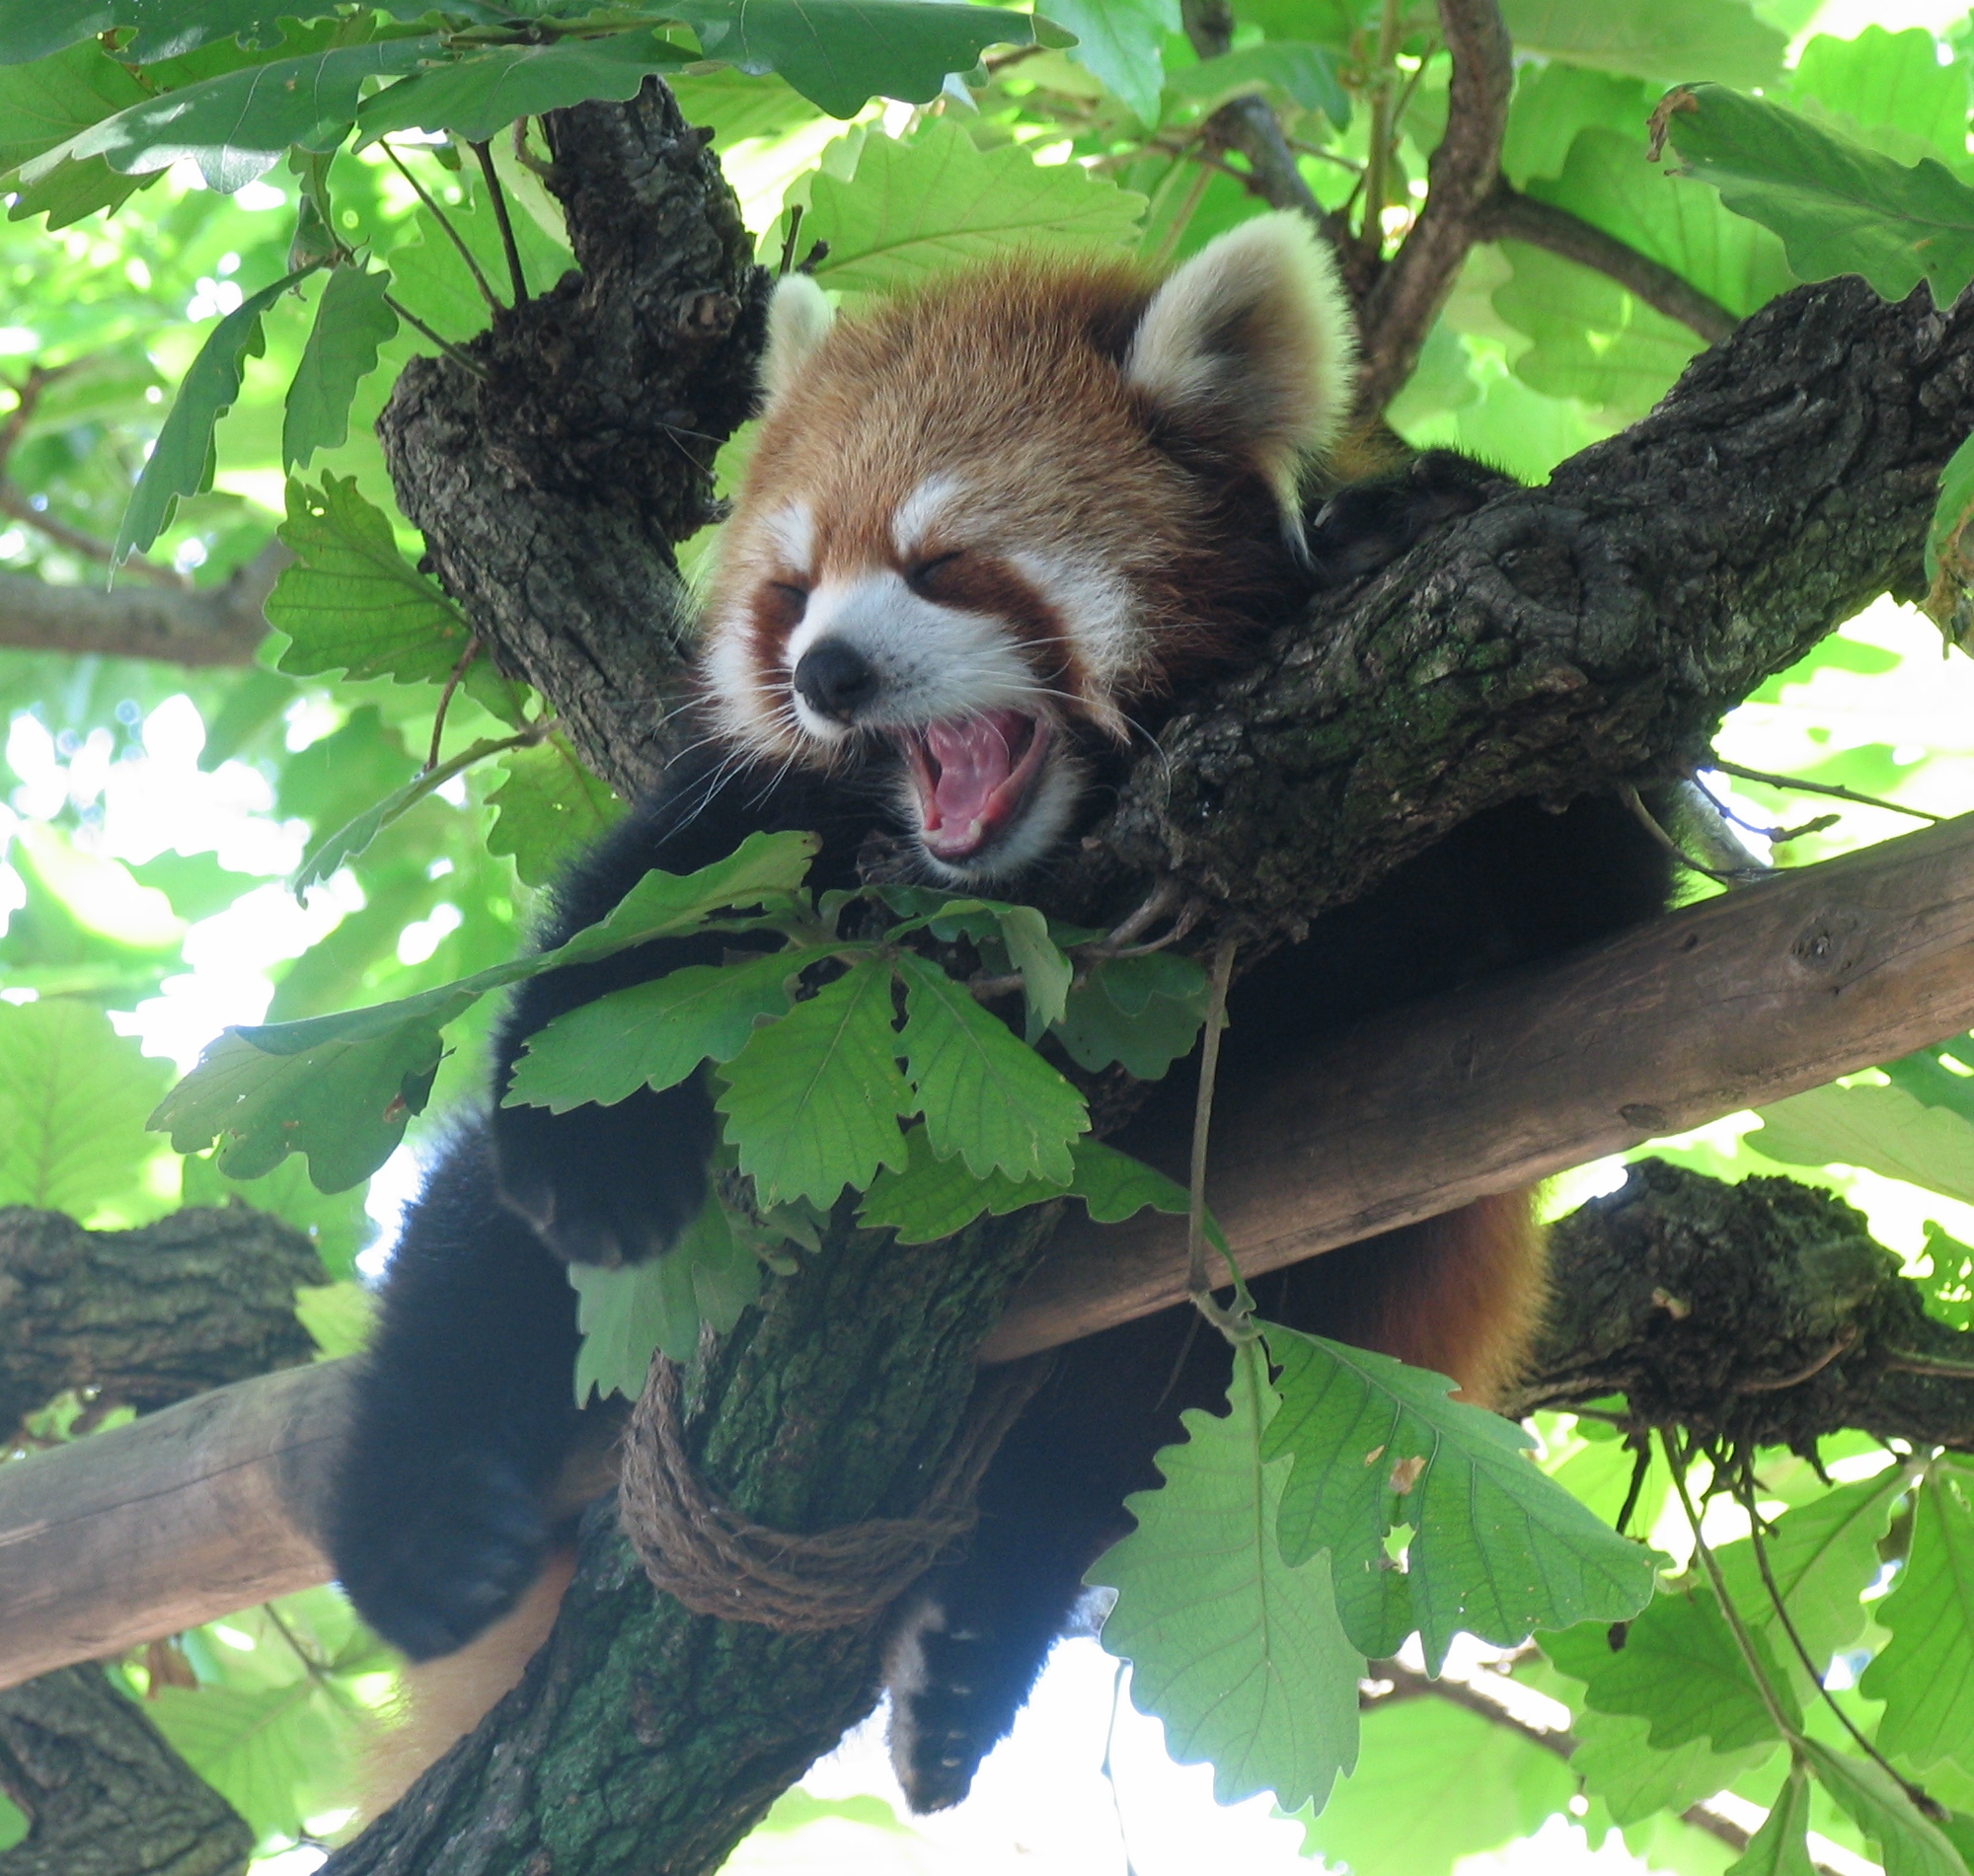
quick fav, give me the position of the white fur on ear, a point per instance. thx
(799, 317)
(1252, 343)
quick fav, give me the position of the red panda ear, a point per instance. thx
(799, 317)
(1251, 345)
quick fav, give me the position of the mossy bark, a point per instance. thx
(103, 1792)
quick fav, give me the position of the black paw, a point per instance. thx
(430, 1560)
(607, 1185)
(1369, 525)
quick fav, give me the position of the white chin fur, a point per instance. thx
(1045, 818)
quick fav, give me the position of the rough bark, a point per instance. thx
(103, 1792)
(1761, 1313)
(1562, 636)
(145, 1317)
(553, 490)
(644, 1741)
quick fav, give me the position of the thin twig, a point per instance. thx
(1727, 876)
(1406, 296)
(466, 657)
(499, 197)
(1905, 1364)
(16, 503)
(1744, 1492)
(1509, 215)
(788, 241)
(1202, 1123)
(1743, 1640)
(444, 221)
(464, 361)
(1371, 233)
(1831, 789)
(1843, 1343)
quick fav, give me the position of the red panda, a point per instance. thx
(989, 527)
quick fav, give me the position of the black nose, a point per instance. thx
(834, 679)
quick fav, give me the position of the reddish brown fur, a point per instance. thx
(1010, 379)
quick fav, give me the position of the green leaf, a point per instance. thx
(338, 1316)
(71, 191)
(1555, 102)
(336, 1222)
(492, 85)
(1681, 1670)
(351, 322)
(1924, 1075)
(236, 125)
(1823, 1556)
(1882, 1129)
(1924, 1674)
(1780, 1847)
(1241, 1655)
(1435, 1783)
(1911, 1844)
(1046, 973)
(1666, 40)
(1949, 554)
(1839, 207)
(1889, 82)
(812, 1102)
(73, 1101)
(341, 1088)
(843, 53)
(162, 28)
(49, 102)
(1498, 1548)
(352, 602)
(182, 460)
(1634, 1779)
(1144, 1013)
(433, 282)
(258, 1748)
(1305, 73)
(933, 1198)
(919, 208)
(627, 1310)
(548, 808)
(654, 1035)
(344, 1101)
(1122, 43)
(986, 1095)
(326, 855)
(1606, 181)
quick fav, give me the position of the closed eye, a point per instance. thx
(925, 572)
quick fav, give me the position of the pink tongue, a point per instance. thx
(973, 760)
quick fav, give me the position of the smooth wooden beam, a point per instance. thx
(209, 1507)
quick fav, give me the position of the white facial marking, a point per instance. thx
(1099, 615)
(933, 662)
(792, 530)
(921, 509)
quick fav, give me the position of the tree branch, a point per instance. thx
(1397, 311)
(103, 1792)
(1734, 1003)
(1501, 1701)
(1761, 1313)
(145, 1317)
(1248, 124)
(219, 625)
(1507, 214)
(15, 503)
(210, 1505)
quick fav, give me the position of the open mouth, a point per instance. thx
(973, 777)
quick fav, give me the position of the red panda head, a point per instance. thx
(988, 517)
